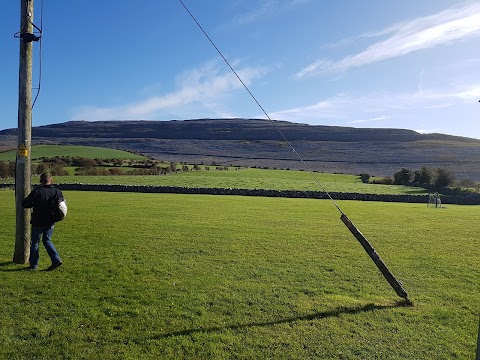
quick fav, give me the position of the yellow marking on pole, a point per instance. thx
(22, 150)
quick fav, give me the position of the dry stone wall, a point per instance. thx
(464, 199)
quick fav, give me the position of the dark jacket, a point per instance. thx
(42, 199)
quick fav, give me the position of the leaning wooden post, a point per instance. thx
(394, 283)
(478, 342)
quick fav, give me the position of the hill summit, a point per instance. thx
(256, 142)
(227, 129)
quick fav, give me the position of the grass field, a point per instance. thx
(162, 276)
(89, 152)
(242, 179)
(247, 179)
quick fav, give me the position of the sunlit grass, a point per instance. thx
(192, 276)
(248, 179)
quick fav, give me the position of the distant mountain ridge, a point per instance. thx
(226, 129)
(255, 142)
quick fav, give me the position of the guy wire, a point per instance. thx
(263, 110)
(39, 55)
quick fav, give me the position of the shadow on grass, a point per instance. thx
(24, 267)
(16, 269)
(314, 316)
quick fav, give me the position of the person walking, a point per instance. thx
(41, 200)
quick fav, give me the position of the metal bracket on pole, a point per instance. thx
(29, 37)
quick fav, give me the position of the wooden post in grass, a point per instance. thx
(24, 132)
(478, 342)
(394, 283)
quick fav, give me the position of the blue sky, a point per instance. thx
(374, 63)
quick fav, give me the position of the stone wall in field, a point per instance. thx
(470, 199)
(464, 199)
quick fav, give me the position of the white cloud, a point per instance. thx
(405, 37)
(204, 86)
(474, 62)
(421, 80)
(427, 131)
(380, 118)
(347, 108)
(267, 8)
(470, 94)
(438, 106)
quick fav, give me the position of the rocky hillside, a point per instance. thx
(254, 142)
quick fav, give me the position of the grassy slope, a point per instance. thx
(172, 276)
(90, 152)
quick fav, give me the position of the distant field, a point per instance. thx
(162, 276)
(89, 152)
(248, 179)
(241, 178)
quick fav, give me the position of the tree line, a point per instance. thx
(101, 167)
(425, 177)
(7, 169)
(439, 177)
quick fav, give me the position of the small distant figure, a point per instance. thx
(41, 199)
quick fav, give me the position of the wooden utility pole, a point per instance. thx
(24, 131)
(392, 280)
(478, 342)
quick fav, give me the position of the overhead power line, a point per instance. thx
(394, 283)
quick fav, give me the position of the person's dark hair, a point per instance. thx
(45, 178)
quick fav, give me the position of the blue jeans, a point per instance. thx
(47, 232)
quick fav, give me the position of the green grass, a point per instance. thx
(89, 152)
(163, 276)
(247, 179)
(241, 179)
